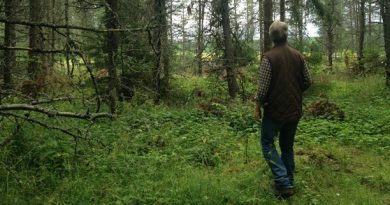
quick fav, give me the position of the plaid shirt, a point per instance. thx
(266, 75)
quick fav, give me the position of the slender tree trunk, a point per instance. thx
(351, 20)
(200, 45)
(171, 21)
(160, 43)
(300, 24)
(327, 14)
(183, 29)
(166, 50)
(35, 39)
(385, 11)
(267, 24)
(370, 21)
(356, 17)
(261, 26)
(9, 41)
(330, 38)
(362, 28)
(250, 28)
(52, 32)
(297, 19)
(282, 10)
(68, 40)
(300, 30)
(112, 43)
(236, 26)
(229, 53)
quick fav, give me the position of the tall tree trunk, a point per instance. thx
(166, 50)
(297, 19)
(300, 29)
(35, 39)
(362, 28)
(52, 31)
(356, 17)
(385, 11)
(201, 7)
(250, 28)
(370, 22)
(328, 14)
(9, 41)
(330, 45)
(183, 30)
(229, 53)
(112, 42)
(351, 21)
(161, 47)
(68, 39)
(236, 26)
(267, 23)
(171, 21)
(283, 10)
(261, 26)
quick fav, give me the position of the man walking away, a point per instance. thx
(284, 76)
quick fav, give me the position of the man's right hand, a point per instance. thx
(257, 113)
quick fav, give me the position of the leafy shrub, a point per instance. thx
(205, 154)
(245, 54)
(373, 60)
(350, 60)
(314, 57)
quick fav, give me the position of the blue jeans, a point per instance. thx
(282, 167)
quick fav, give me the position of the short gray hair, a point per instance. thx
(278, 31)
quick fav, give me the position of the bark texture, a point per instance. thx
(267, 23)
(112, 42)
(35, 39)
(385, 10)
(228, 52)
(9, 41)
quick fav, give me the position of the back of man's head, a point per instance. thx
(278, 31)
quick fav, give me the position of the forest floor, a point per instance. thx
(202, 150)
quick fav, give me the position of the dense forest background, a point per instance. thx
(151, 101)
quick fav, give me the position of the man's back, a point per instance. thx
(284, 97)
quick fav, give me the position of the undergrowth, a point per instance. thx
(179, 152)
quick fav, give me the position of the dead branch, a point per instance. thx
(57, 26)
(53, 113)
(37, 50)
(46, 101)
(34, 121)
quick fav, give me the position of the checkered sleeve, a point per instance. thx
(264, 80)
(306, 77)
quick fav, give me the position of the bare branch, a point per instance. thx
(2, 47)
(34, 121)
(53, 113)
(46, 101)
(57, 26)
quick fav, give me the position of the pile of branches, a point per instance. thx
(325, 109)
